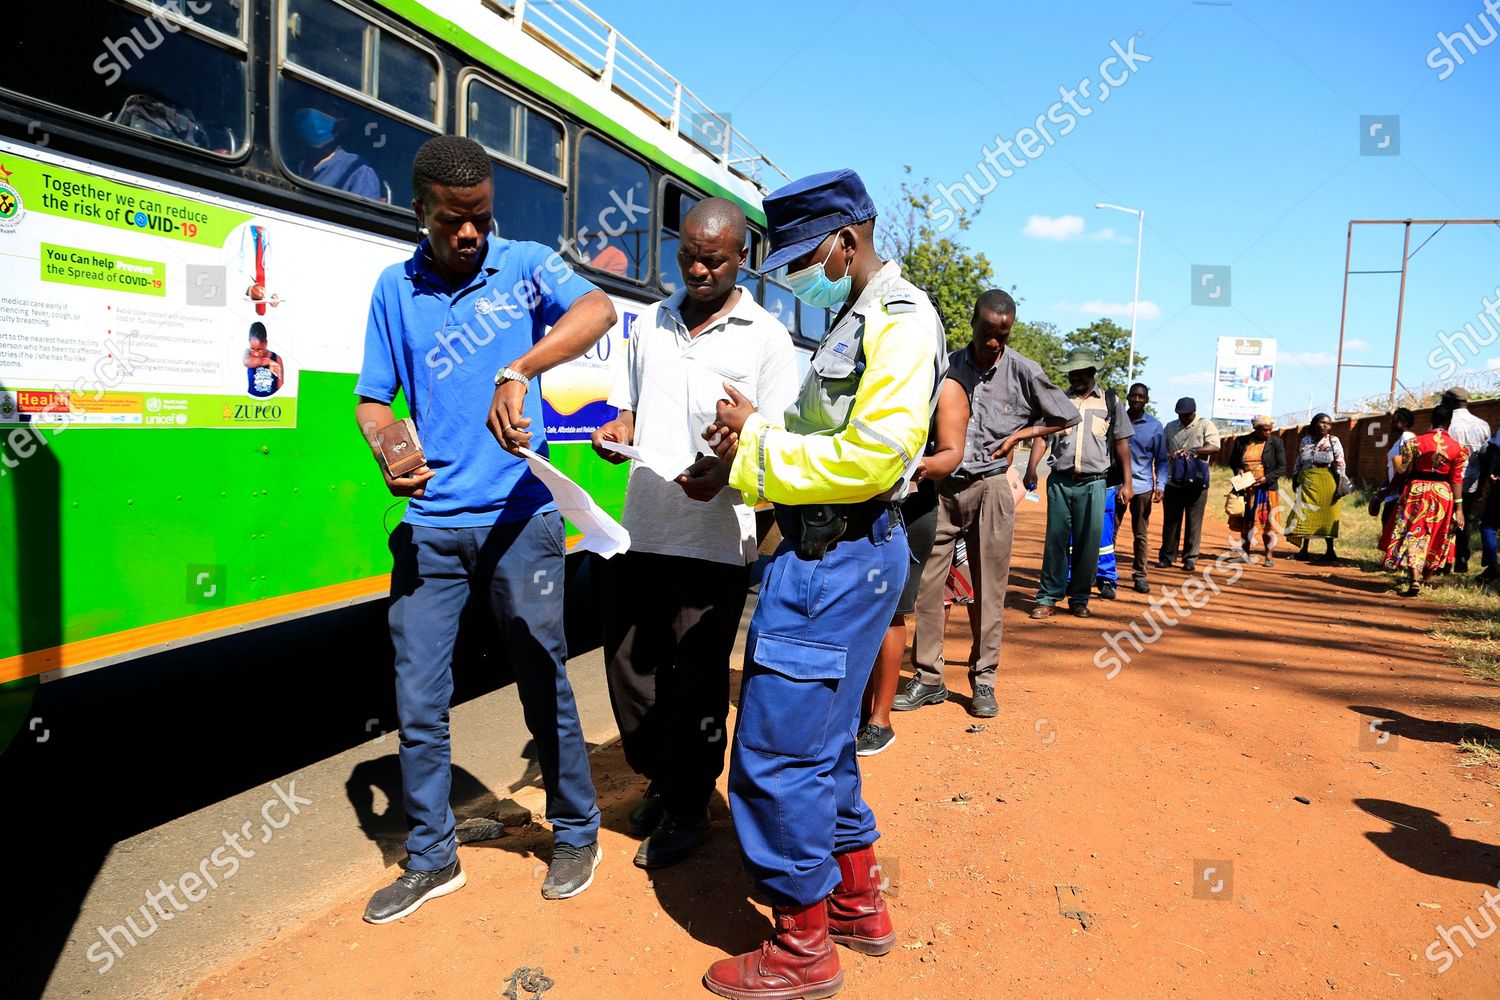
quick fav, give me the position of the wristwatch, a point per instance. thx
(508, 374)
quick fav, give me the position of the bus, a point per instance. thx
(196, 197)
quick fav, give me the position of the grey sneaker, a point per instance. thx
(571, 871)
(872, 739)
(410, 890)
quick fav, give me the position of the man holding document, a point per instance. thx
(675, 599)
(480, 526)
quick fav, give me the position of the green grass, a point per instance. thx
(1469, 616)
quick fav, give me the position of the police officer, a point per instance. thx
(835, 466)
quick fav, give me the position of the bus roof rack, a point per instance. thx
(586, 40)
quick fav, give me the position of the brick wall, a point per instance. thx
(1367, 439)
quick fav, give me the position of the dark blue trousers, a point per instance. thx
(794, 784)
(517, 569)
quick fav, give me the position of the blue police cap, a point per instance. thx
(800, 215)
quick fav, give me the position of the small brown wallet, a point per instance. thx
(399, 448)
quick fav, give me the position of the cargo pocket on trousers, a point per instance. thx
(787, 698)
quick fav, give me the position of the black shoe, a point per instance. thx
(1188, 565)
(411, 890)
(983, 704)
(1163, 563)
(918, 694)
(1107, 591)
(1141, 587)
(872, 739)
(1458, 567)
(571, 871)
(674, 839)
(646, 815)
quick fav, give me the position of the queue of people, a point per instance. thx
(890, 454)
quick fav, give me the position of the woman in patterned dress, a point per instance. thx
(1261, 454)
(1421, 540)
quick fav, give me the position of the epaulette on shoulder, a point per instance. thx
(899, 300)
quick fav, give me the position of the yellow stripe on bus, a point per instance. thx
(74, 654)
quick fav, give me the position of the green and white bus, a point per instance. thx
(195, 200)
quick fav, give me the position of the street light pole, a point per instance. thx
(1135, 301)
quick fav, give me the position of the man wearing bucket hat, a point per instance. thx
(835, 465)
(1081, 458)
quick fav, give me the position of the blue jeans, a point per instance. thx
(794, 783)
(517, 567)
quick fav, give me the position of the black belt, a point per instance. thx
(822, 526)
(1079, 477)
(961, 478)
(1427, 477)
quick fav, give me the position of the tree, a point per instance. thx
(932, 259)
(1041, 343)
(1110, 344)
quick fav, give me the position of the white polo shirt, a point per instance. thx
(672, 383)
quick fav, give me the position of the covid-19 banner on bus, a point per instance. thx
(127, 306)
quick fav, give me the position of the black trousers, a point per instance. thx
(1140, 533)
(1183, 508)
(1473, 506)
(669, 629)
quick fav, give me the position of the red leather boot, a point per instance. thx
(857, 915)
(798, 961)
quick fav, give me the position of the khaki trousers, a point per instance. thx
(983, 513)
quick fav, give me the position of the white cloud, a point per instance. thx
(1098, 307)
(1043, 227)
(1108, 235)
(1355, 344)
(1192, 378)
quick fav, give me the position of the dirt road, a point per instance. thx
(1065, 850)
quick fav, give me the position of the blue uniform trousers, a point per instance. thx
(516, 568)
(1108, 571)
(794, 784)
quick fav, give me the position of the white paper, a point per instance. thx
(601, 533)
(662, 464)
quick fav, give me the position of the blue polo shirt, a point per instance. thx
(1148, 448)
(443, 347)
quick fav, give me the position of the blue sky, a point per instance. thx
(1240, 139)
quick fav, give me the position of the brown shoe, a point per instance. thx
(857, 915)
(798, 961)
(1042, 611)
(1080, 611)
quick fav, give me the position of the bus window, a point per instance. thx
(159, 73)
(612, 225)
(406, 78)
(676, 204)
(351, 100)
(782, 304)
(334, 142)
(527, 207)
(812, 322)
(514, 130)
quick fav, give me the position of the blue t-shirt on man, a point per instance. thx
(443, 348)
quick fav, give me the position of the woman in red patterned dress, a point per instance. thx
(1421, 539)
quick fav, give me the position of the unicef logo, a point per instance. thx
(181, 419)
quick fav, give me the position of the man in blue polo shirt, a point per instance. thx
(479, 522)
(1148, 474)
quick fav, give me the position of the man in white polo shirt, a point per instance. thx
(675, 599)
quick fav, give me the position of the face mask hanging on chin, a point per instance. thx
(812, 286)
